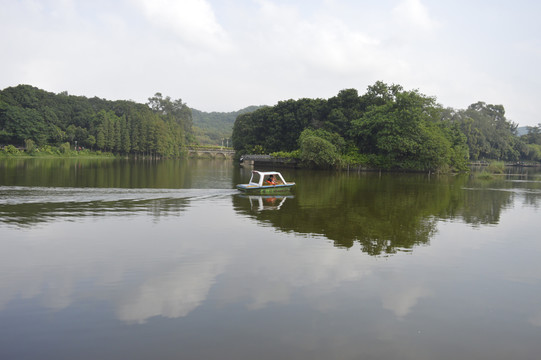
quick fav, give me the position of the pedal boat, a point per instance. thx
(259, 183)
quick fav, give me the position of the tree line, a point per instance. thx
(211, 128)
(387, 127)
(29, 115)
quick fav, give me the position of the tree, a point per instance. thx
(100, 139)
(29, 145)
(90, 141)
(124, 136)
(317, 151)
(404, 132)
(28, 113)
(489, 134)
(534, 135)
(174, 110)
(248, 131)
(389, 127)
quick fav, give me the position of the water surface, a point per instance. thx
(115, 259)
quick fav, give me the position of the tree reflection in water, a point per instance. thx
(382, 213)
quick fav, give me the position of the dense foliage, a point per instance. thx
(532, 143)
(489, 134)
(387, 127)
(30, 116)
(213, 128)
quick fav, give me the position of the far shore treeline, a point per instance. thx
(38, 119)
(386, 128)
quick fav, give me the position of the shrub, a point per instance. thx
(48, 150)
(10, 149)
(295, 154)
(485, 175)
(318, 152)
(65, 148)
(496, 167)
(29, 145)
(256, 149)
(354, 158)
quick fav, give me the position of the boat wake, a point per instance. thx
(25, 206)
(13, 195)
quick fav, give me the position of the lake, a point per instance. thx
(121, 259)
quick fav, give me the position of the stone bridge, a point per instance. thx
(211, 153)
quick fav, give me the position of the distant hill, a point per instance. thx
(523, 130)
(211, 127)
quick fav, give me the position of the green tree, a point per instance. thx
(124, 136)
(28, 113)
(488, 132)
(173, 110)
(533, 135)
(404, 132)
(100, 139)
(90, 141)
(30, 145)
(316, 151)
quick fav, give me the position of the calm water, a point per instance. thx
(109, 259)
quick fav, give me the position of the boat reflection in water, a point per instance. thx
(266, 202)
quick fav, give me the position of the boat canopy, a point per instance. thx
(258, 177)
(261, 183)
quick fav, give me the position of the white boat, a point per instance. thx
(266, 182)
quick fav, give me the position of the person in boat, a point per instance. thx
(270, 180)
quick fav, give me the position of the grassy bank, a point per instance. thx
(10, 151)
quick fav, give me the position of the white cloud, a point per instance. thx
(172, 295)
(225, 55)
(402, 302)
(192, 21)
(413, 14)
(323, 43)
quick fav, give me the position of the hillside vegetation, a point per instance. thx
(213, 128)
(36, 118)
(387, 128)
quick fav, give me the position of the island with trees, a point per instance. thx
(385, 128)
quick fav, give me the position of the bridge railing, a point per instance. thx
(209, 147)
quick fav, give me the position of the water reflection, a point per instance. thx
(28, 206)
(382, 214)
(116, 173)
(268, 202)
(173, 294)
(80, 264)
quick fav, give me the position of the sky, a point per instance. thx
(224, 55)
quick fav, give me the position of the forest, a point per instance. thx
(39, 120)
(213, 128)
(385, 128)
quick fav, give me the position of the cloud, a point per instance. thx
(225, 55)
(172, 295)
(322, 43)
(191, 21)
(413, 14)
(401, 302)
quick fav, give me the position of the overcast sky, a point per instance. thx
(224, 55)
